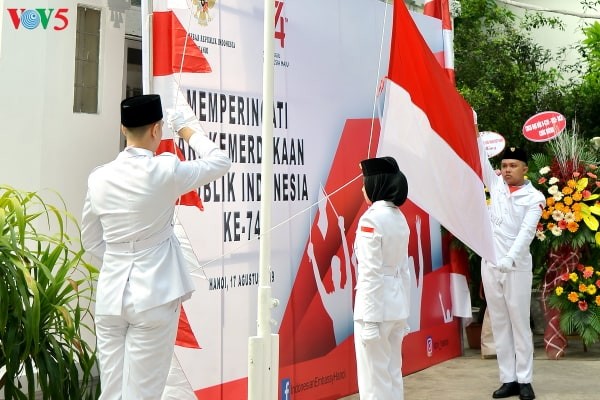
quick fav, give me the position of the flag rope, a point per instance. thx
(284, 222)
(175, 102)
(378, 85)
(178, 82)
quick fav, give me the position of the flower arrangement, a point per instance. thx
(577, 296)
(572, 189)
(567, 233)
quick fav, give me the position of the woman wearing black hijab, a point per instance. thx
(383, 288)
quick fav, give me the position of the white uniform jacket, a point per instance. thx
(381, 247)
(514, 216)
(127, 222)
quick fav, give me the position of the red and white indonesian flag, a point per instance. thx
(428, 127)
(440, 9)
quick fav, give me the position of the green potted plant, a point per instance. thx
(45, 295)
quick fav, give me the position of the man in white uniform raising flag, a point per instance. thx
(128, 223)
(515, 209)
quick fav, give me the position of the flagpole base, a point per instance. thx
(263, 367)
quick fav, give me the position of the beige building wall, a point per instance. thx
(43, 143)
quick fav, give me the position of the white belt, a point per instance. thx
(138, 245)
(390, 271)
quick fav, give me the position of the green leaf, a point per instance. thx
(582, 184)
(595, 209)
(591, 222)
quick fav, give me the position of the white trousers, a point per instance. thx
(508, 297)
(135, 350)
(379, 362)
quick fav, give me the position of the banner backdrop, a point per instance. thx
(330, 57)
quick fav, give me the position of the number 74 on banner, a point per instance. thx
(280, 23)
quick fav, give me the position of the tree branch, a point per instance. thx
(538, 8)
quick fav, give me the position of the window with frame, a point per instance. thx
(87, 56)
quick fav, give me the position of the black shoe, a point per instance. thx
(507, 390)
(526, 391)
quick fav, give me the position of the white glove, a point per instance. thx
(176, 120)
(505, 264)
(406, 330)
(370, 331)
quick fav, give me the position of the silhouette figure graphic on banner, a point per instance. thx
(337, 303)
(416, 284)
(446, 312)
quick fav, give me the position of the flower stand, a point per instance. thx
(562, 260)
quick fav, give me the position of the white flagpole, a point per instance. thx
(146, 8)
(263, 349)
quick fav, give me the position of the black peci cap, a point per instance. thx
(141, 110)
(515, 153)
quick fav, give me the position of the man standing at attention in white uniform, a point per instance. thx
(515, 209)
(382, 301)
(128, 223)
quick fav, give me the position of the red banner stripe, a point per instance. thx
(169, 42)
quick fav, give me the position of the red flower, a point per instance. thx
(562, 224)
(598, 283)
(586, 193)
(542, 180)
(592, 175)
(583, 306)
(565, 277)
(576, 174)
(580, 267)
